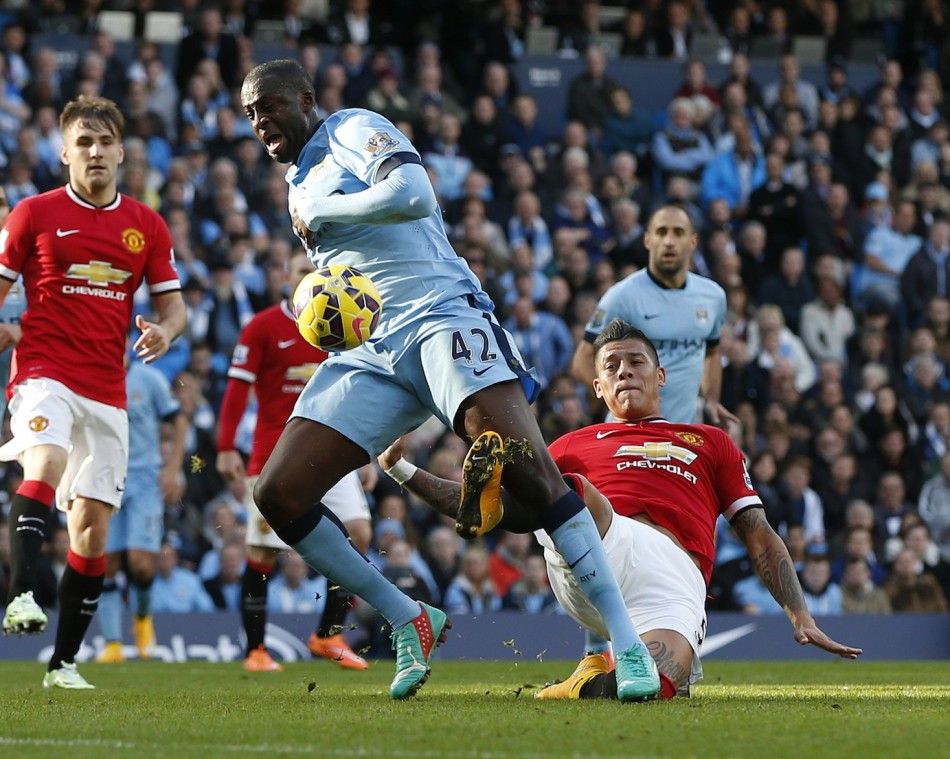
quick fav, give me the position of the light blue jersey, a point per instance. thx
(411, 263)
(150, 400)
(682, 323)
(140, 522)
(13, 307)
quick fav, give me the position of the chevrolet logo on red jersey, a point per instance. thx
(98, 273)
(301, 373)
(658, 451)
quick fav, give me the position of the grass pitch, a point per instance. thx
(476, 709)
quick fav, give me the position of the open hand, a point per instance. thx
(808, 633)
(392, 454)
(154, 341)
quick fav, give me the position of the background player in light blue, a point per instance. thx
(10, 312)
(681, 312)
(360, 196)
(136, 529)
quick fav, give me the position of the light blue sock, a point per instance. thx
(579, 543)
(109, 612)
(327, 548)
(594, 644)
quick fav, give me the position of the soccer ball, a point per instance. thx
(337, 307)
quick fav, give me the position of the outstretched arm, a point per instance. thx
(773, 564)
(444, 495)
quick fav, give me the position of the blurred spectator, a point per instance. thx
(543, 340)
(531, 593)
(826, 323)
(209, 40)
(806, 92)
(472, 591)
(292, 591)
(588, 97)
(734, 175)
(673, 40)
(399, 568)
(822, 595)
(507, 562)
(225, 587)
(777, 205)
(802, 504)
(911, 589)
(680, 150)
(859, 594)
(773, 342)
(528, 228)
(926, 275)
(450, 164)
(891, 505)
(934, 507)
(859, 544)
(626, 128)
(176, 589)
(441, 553)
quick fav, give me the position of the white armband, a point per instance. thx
(402, 471)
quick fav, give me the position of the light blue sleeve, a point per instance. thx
(161, 390)
(610, 307)
(202, 600)
(362, 141)
(719, 317)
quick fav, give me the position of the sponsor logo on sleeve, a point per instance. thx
(379, 143)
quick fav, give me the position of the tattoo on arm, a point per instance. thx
(770, 559)
(442, 495)
(666, 662)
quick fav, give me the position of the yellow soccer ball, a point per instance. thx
(337, 307)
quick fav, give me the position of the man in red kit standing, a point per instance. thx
(276, 361)
(655, 490)
(82, 251)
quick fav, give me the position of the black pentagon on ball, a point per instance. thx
(334, 321)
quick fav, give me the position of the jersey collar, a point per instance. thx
(74, 196)
(666, 287)
(285, 308)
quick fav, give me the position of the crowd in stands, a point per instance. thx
(823, 211)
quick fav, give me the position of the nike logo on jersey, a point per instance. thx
(65, 232)
(650, 316)
(480, 372)
(91, 601)
(22, 518)
(602, 435)
(286, 343)
(571, 566)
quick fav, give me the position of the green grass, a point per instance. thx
(475, 709)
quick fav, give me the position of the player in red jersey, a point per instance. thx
(655, 490)
(276, 361)
(82, 251)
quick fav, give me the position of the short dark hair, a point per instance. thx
(618, 329)
(675, 207)
(288, 75)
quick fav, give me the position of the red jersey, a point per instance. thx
(272, 356)
(80, 266)
(680, 476)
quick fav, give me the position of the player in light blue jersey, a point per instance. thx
(681, 312)
(136, 529)
(360, 196)
(10, 312)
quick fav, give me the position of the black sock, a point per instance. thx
(78, 601)
(27, 532)
(334, 613)
(254, 603)
(600, 686)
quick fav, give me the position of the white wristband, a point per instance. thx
(402, 471)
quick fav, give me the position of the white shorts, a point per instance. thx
(95, 436)
(345, 499)
(661, 586)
